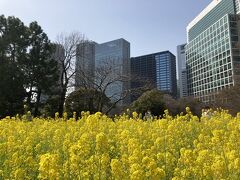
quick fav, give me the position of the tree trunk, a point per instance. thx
(61, 102)
(91, 105)
(29, 99)
(100, 103)
(37, 103)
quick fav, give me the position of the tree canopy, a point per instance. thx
(150, 100)
(27, 67)
(156, 101)
(228, 98)
(85, 100)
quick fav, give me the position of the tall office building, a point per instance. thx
(115, 53)
(113, 56)
(58, 56)
(85, 63)
(158, 68)
(166, 73)
(182, 70)
(143, 73)
(213, 49)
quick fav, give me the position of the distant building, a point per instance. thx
(58, 56)
(166, 73)
(213, 49)
(143, 70)
(158, 69)
(182, 71)
(85, 63)
(115, 54)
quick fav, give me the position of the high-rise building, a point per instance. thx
(115, 53)
(112, 58)
(158, 68)
(166, 73)
(85, 63)
(213, 49)
(182, 70)
(58, 56)
(143, 73)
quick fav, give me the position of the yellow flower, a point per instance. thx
(137, 175)
(116, 168)
(237, 163)
(100, 147)
(49, 167)
(135, 115)
(101, 142)
(19, 174)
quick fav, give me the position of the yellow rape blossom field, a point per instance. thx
(98, 147)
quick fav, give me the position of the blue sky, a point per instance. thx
(149, 25)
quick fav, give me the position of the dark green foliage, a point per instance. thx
(85, 100)
(13, 43)
(12, 92)
(171, 104)
(157, 102)
(150, 100)
(13, 39)
(27, 66)
(194, 104)
(51, 106)
(40, 68)
(179, 106)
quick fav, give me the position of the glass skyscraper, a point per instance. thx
(212, 51)
(143, 72)
(85, 63)
(159, 69)
(115, 53)
(166, 73)
(182, 70)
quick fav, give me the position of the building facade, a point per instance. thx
(143, 72)
(182, 70)
(111, 58)
(213, 49)
(85, 64)
(159, 69)
(166, 73)
(116, 56)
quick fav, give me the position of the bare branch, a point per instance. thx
(66, 52)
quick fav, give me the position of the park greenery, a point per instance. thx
(27, 70)
(48, 132)
(36, 75)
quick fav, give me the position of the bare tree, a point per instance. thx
(109, 80)
(66, 54)
(140, 85)
(228, 98)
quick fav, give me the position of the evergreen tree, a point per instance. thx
(40, 67)
(27, 66)
(12, 92)
(85, 100)
(13, 48)
(150, 101)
